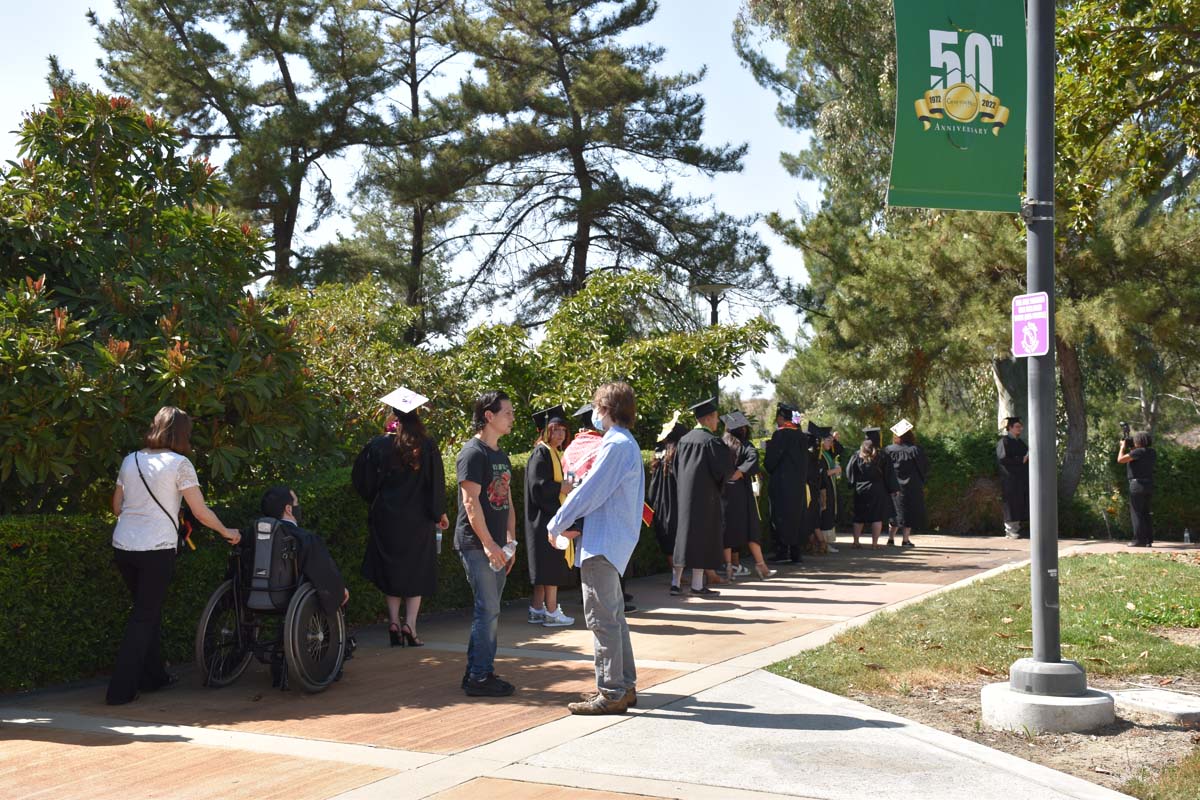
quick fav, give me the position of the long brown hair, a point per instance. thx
(170, 430)
(867, 451)
(544, 436)
(409, 437)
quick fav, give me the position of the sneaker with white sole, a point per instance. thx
(557, 619)
(536, 615)
(833, 549)
(742, 571)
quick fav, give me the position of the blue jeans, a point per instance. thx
(487, 586)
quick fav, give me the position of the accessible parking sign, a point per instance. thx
(1031, 325)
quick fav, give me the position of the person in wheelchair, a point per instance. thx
(315, 562)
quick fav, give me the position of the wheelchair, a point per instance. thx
(264, 611)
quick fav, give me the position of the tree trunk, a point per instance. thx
(412, 291)
(1011, 376)
(1070, 378)
(1149, 403)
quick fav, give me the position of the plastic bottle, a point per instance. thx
(508, 550)
(439, 542)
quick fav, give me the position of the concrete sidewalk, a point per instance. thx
(710, 723)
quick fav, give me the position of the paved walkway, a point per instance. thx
(710, 724)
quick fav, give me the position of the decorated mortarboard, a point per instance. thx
(704, 407)
(784, 410)
(553, 414)
(584, 415)
(734, 420)
(902, 427)
(872, 434)
(405, 400)
(671, 429)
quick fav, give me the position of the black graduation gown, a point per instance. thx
(829, 513)
(912, 468)
(547, 565)
(702, 466)
(662, 495)
(741, 508)
(401, 555)
(812, 517)
(318, 568)
(786, 461)
(873, 484)
(1014, 477)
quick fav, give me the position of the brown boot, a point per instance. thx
(599, 705)
(630, 696)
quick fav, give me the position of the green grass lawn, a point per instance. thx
(1109, 605)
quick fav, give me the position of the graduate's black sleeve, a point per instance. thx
(720, 461)
(319, 569)
(922, 465)
(431, 458)
(543, 489)
(890, 481)
(774, 453)
(748, 461)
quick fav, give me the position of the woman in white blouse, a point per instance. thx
(151, 486)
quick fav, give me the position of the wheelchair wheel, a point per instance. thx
(313, 642)
(221, 657)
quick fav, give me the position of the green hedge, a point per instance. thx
(62, 604)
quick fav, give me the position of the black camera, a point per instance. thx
(1126, 435)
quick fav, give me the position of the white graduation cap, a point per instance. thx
(405, 400)
(902, 427)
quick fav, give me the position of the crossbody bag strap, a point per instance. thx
(174, 521)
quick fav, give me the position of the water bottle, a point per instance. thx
(1187, 535)
(439, 542)
(508, 550)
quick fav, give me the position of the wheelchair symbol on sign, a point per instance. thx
(1029, 337)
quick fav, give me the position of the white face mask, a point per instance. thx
(597, 420)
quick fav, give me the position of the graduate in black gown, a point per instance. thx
(870, 473)
(544, 476)
(402, 477)
(912, 471)
(814, 477)
(786, 462)
(830, 472)
(1012, 455)
(702, 466)
(741, 506)
(662, 490)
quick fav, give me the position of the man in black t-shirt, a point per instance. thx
(487, 522)
(1139, 468)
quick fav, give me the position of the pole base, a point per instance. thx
(1048, 678)
(1008, 710)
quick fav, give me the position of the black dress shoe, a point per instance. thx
(676, 591)
(628, 597)
(630, 608)
(705, 592)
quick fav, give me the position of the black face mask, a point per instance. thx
(296, 514)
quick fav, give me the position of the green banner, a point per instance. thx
(960, 105)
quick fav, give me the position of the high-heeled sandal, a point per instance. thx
(763, 570)
(410, 639)
(394, 635)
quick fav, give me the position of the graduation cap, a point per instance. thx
(818, 431)
(1010, 421)
(404, 401)
(705, 407)
(734, 420)
(784, 410)
(584, 415)
(553, 414)
(902, 427)
(873, 435)
(672, 430)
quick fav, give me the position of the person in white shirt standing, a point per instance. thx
(151, 486)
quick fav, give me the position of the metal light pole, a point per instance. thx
(713, 292)
(1046, 673)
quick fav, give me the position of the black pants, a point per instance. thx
(1139, 507)
(139, 665)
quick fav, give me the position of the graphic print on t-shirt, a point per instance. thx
(497, 490)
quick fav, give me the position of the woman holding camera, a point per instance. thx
(151, 487)
(1139, 468)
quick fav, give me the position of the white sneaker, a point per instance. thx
(536, 616)
(832, 549)
(742, 571)
(557, 619)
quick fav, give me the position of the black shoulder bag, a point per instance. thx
(182, 529)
